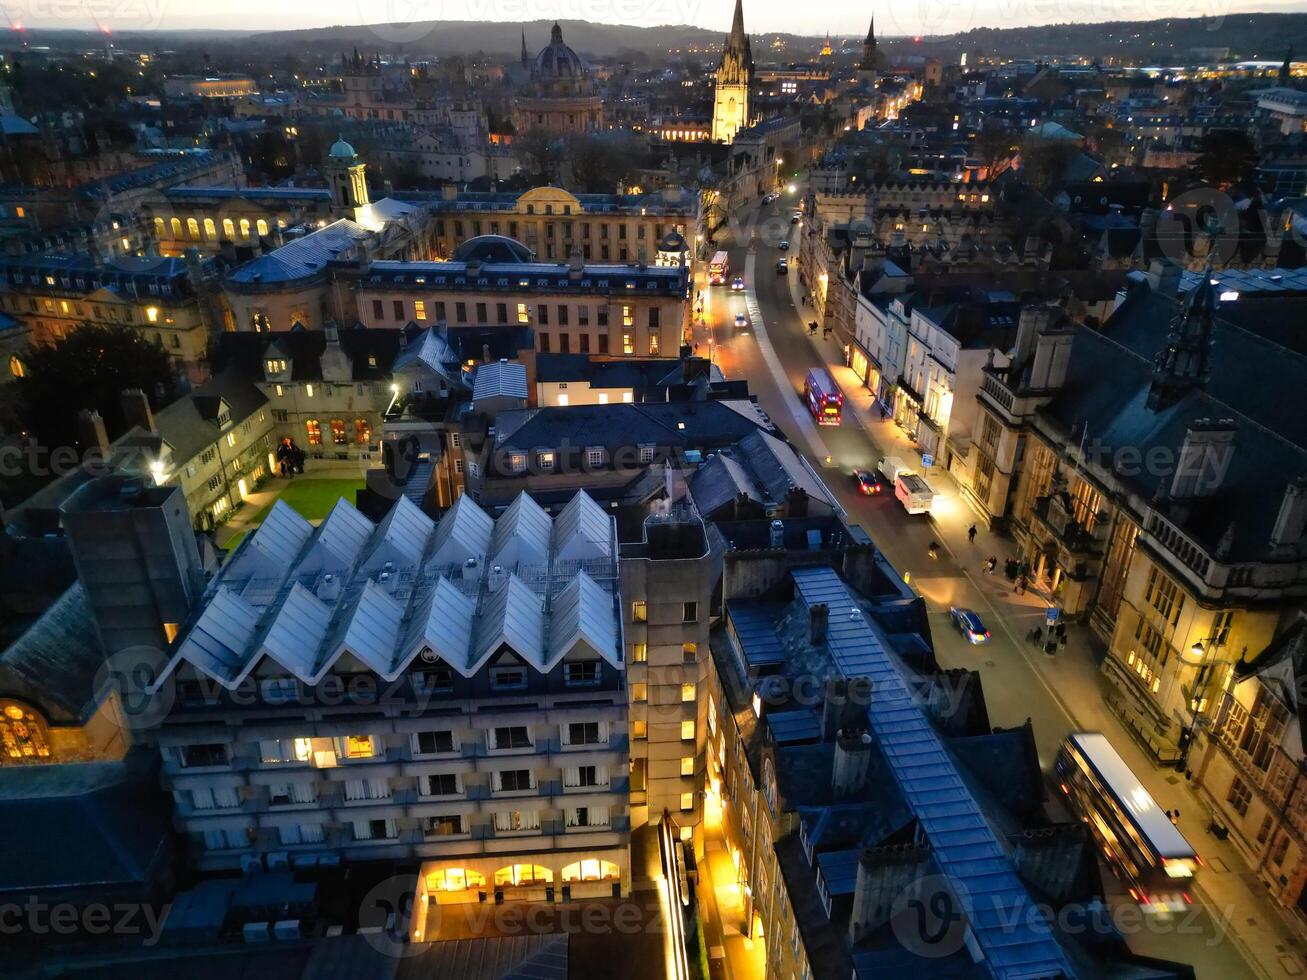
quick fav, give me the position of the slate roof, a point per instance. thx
(499, 379)
(245, 350)
(612, 426)
(53, 663)
(189, 425)
(1249, 378)
(82, 826)
(760, 467)
(303, 257)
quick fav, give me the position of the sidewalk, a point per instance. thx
(1073, 679)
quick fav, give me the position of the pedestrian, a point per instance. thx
(1175, 817)
(883, 412)
(1061, 638)
(1039, 635)
(1050, 647)
(971, 534)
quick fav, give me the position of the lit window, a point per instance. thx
(522, 315)
(308, 390)
(687, 765)
(17, 368)
(639, 729)
(152, 314)
(419, 309)
(628, 397)
(628, 342)
(314, 430)
(687, 691)
(639, 653)
(640, 692)
(687, 730)
(639, 611)
(356, 747)
(546, 460)
(687, 801)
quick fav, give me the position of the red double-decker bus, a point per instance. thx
(825, 400)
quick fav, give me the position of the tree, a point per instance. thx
(90, 368)
(540, 153)
(1226, 158)
(1045, 161)
(995, 142)
(598, 161)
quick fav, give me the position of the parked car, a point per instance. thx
(969, 625)
(869, 482)
(782, 265)
(737, 284)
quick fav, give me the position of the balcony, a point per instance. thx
(998, 392)
(1053, 523)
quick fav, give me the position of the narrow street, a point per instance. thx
(1235, 930)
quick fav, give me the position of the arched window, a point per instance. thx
(314, 430)
(160, 230)
(245, 227)
(362, 431)
(24, 737)
(16, 367)
(591, 870)
(769, 783)
(193, 228)
(228, 228)
(210, 230)
(176, 229)
(524, 874)
(262, 226)
(338, 432)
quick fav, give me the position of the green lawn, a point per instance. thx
(312, 498)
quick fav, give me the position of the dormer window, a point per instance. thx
(274, 365)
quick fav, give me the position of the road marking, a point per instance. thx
(802, 419)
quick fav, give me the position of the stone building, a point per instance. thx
(731, 82)
(561, 96)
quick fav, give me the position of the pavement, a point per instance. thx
(1234, 929)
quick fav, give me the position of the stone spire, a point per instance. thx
(737, 57)
(525, 57)
(1286, 69)
(868, 62)
(1185, 362)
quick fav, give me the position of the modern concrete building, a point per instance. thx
(448, 695)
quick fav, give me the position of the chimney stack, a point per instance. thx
(852, 759)
(91, 432)
(818, 617)
(1204, 459)
(136, 409)
(1052, 357)
(844, 705)
(1291, 522)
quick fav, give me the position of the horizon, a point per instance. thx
(396, 21)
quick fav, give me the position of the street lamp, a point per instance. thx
(1198, 655)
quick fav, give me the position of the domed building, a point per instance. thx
(561, 96)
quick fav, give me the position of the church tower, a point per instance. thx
(346, 178)
(731, 100)
(867, 64)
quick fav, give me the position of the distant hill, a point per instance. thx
(1247, 36)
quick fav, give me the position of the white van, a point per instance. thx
(892, 466)
(914, 493)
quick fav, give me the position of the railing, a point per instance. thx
(998, 391)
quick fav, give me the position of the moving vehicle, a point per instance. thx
(719, 267)
(869, 483)
(741, 321)
(794, 218)
(737, 284)
(825, 400)
(782, 265)
(913, 492)
(783, 245)
(969, 624)
(1147, 852)
(891, 467)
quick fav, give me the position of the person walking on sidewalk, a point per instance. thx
(971, 534)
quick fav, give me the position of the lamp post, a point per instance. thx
(1199, 655)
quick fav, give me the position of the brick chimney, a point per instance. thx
(844, 705)
(91, 432)
(136, 409)
(852, 759)
(818, 617)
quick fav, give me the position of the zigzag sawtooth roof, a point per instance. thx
(384, 594)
